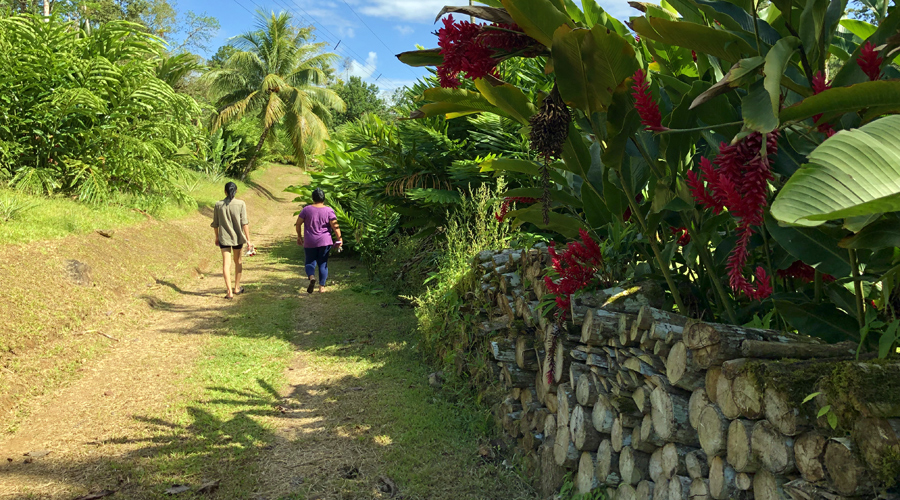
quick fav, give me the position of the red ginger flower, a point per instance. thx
(738, 181)
(643, 101)
(869, 61)
(504, 207)
(576, 266)
(800, 270)
(819, 85)
(683, 237)
(468, 48)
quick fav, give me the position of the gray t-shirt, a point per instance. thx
(229, 217)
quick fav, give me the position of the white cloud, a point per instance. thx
(423, 11)
(404, 30)
(364, 70)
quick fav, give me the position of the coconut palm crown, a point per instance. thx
(277, 74)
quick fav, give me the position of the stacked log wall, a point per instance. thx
(644, 403)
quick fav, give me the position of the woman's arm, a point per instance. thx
(337, 231)
(246, 229)
(299, 227)
(216, 230)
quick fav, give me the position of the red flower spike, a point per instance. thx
(682, 233)
(869, 61)
(801, 271)
(643, 102)
(819, 85)
(504, 207)
(469, 48)
(738, 180)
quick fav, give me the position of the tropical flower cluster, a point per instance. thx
(647, 108)
(869, 61)
(738, 180)
(576, 266)
(819, 85)
(469, 49)
(504, 207)
(803, 272)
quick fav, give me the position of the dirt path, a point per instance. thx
(277, 395)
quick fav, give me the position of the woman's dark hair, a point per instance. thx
(230, 190)
(318, 195)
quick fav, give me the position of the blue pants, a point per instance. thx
(317, 257)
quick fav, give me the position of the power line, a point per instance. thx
(331, 36)
(390, 50)
(245, 8)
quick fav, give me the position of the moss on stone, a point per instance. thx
(890, 468)
(868, 389)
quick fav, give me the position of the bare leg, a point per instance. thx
(238, 268)
(226, 269)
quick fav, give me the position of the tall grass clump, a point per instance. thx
(444, 310)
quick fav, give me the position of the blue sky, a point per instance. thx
(370, 32)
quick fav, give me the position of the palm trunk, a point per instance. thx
(46, 11)
(252, 160)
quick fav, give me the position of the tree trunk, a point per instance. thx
(586, 480)
(644, 490)
(680, 488)
(654, 466)
(620, 437)
(809, 453)
(607, 465)
(700, 489)
(740, 453)
(673, 460)
(721, 479)
(603, 415)
(670, 417)
(747, 396)
(565, 401)
(744, 481)
(783, 414)
(713, 431)
(848, 475)
(712, 382)
(564, 451)
(877, 439)
(696, 464)
(696, 404)
(725, 398)
(256, 150)
(681, 369)
(634, 466)
(584, 435)
(767, 486)
(774, 449)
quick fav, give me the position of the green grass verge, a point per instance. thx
(25, 218)
(373, 378)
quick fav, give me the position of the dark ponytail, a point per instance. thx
(318, 195)
(230, 190)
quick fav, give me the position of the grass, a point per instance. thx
(354, 406)
(25, 218)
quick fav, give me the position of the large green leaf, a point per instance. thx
(423, 57)
(740, 74)
(522, 166)
(760, 107)
(735, 17)
(855, 172)
(699, 38)
(491, 14)
(859, 28)
(823, 320)
(883, 233)
(590, 65)
(884, 94)
(595, 210)
(565, 225)
(555, 195)
(813, 246)
(812, 24)
(595, 15)
(538, 18)
(507, 97)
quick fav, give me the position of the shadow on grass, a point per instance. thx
(355, 407)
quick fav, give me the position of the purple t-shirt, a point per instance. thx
(316, 230)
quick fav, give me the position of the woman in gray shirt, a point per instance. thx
(232, 233)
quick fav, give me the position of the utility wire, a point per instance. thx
(390, 50)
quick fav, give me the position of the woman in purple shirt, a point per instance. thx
(317, 221)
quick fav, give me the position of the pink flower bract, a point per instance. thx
(869, 61)
(647, 108)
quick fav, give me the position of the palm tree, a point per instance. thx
(278, 75)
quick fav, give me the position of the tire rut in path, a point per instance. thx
(100, 415)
